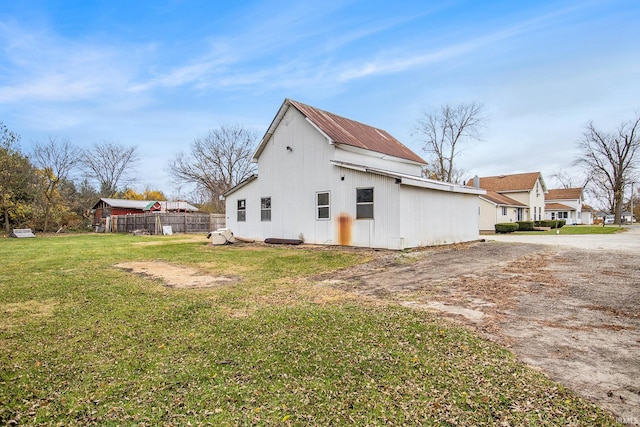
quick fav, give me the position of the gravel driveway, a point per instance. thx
(568, 305)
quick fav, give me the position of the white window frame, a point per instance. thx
(241, 207)
(323, 207)
(367, 203)
(265, 211)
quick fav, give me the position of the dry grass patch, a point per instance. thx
(13, 313)
(174, 276)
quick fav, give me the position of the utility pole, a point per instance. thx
(632, 202)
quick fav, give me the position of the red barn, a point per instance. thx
(107, 207)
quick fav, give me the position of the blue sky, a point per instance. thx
(157, 74)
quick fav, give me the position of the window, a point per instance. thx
(242, 210)
(322, 205)
(563, 215)
(265, 209)
(504, 211)
(364, 203)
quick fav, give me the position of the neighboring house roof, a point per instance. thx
(123, 203)
(145, 205)
(152, 205)
(179, 205)
(564, 194)
(501, 199)
(557, 207)
(340, 130)
(511, 183)
(586, 208)
(411, 180)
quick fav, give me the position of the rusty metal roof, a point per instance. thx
(345, 131)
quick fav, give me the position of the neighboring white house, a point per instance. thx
(325, 179)
(566, 203)
(521, 198)
(496, 208)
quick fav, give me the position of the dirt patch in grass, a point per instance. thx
(571, 313)
(177, 276)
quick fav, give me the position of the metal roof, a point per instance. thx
(341, 130)
(411, 180)
(123, 203)
(145, 204)
(240, 185)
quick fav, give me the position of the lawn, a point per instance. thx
(579, 229)
(82, 342)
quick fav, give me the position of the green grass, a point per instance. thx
(579, 229)
(84, 343)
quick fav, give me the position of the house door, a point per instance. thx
(519, 214)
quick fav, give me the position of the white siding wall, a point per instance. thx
(536, 201)
(291, 179)
(575, 216)
(344, 154)
(490, 215)
(430, 217)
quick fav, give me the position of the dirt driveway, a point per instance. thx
(570, 307)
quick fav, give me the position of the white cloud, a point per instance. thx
(39, 66)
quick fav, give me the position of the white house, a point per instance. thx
(496, 208)
(511, 198)
(325, 179)
(566, 203)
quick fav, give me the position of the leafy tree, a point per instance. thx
(217, 161)
(156, 195)
(56, 159)
(17, 180)
(110, 165)
(130, 194)
(612, 160)
(147, 194)
(444, 132)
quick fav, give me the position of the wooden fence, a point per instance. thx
(153, 222)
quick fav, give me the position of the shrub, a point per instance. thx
(506, 227)
(552, 223)
(525, 225)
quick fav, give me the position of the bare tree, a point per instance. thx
(217, 161)
(611, 158)
(56, 159)
(110, 166)
(444, 131)
(566, 180)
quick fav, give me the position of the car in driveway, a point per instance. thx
(609, 219)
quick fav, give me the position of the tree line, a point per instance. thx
(57, 184)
